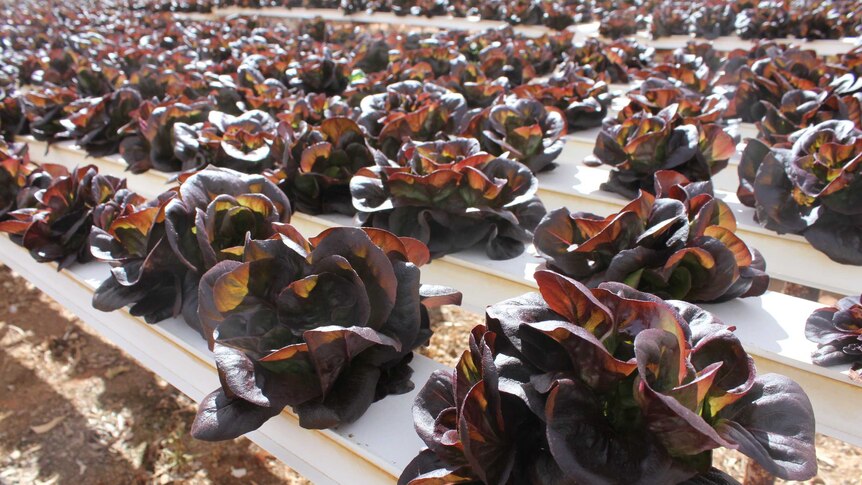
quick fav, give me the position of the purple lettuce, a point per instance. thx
(608, 385)
(325, 326)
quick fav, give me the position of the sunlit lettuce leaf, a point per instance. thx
(57, 227)
(326, 326)
(809, 185)
(451, 196)
(644, 143)
(680, 244)
(609, 385)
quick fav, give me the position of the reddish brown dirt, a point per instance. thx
(75, 409)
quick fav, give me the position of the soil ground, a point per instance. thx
(74, 409)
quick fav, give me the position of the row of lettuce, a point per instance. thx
(568, 385)
(437, 136)
(679, 244)
(748, 19)
(327, 111)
